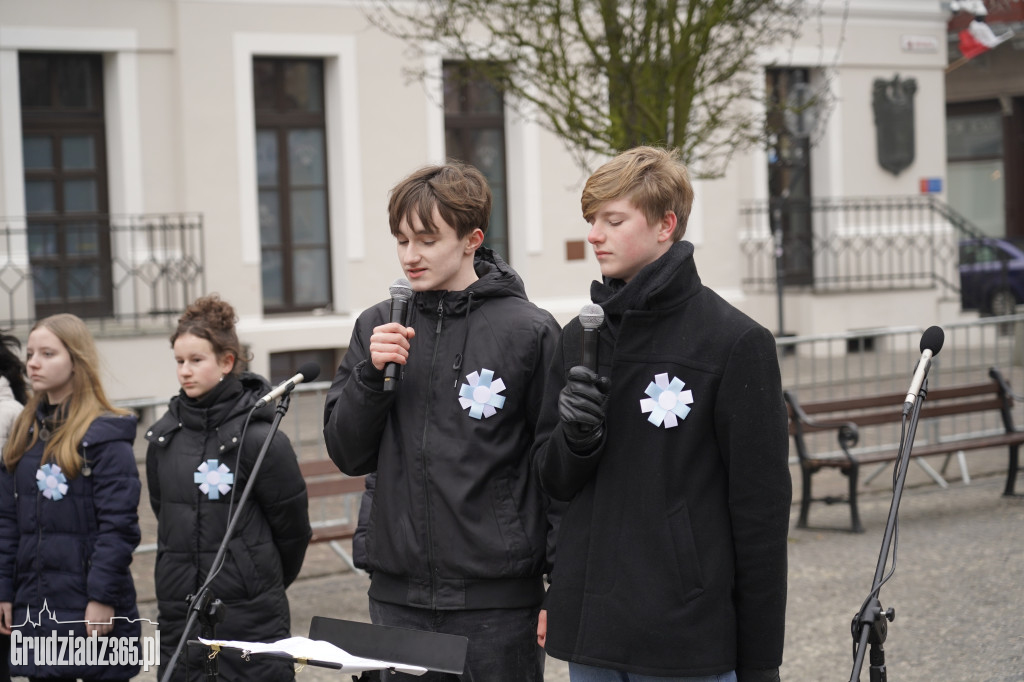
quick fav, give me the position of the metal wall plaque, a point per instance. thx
(893, 104)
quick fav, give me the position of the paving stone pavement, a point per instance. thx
(958, 586)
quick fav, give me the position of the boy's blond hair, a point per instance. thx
(654, 179)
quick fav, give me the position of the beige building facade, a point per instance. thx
(247, 147)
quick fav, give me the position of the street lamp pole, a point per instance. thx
(777, 212)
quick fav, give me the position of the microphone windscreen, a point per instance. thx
(591, 316)
(309, 371)
(932, 340)
(400, 289)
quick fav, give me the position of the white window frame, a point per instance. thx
(344, 183)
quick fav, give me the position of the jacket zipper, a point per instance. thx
(423, 449)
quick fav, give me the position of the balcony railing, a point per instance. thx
(124, 273)
(855, 244)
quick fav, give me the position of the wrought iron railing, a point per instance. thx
(144, 269)
(856, 244)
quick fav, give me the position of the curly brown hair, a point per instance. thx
(213, 319)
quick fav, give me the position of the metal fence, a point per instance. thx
(878, 361)
(856, 244)
(847, 364)
(149, 267)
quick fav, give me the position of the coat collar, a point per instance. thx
(665, 283)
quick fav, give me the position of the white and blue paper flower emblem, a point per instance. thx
(480, 394)
(214, 479)
(52, 482)
(668, 402)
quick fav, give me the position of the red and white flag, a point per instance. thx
(978, 38)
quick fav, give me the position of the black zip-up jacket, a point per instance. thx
(268, 545)
(672, 552)
(458, 519)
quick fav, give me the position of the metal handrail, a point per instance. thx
(156, 267)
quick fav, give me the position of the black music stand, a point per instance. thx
(431, 650)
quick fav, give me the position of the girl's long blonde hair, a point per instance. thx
(86, 401)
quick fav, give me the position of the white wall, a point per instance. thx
(180, 118)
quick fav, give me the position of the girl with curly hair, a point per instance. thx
(200, 455)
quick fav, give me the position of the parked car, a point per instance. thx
(991, 274)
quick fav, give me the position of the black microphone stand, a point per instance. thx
(203, 607)
(870, 625)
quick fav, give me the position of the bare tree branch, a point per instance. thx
(605, 75)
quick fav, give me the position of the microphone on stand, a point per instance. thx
(401, 293)
(308, 372)
(591, 317)
(931, 344)
(870, 625)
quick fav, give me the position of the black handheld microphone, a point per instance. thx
(931, 344)
(308, 372)
(401, 293)
(591, 317)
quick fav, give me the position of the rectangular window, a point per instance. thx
(284, 365)
(789, 171)
(64, 160)
(474, 127)
(291, 171)
(975, 167)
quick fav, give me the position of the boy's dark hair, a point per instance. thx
(459, 192)
(654, 179)
(12, 368)
(213, 319)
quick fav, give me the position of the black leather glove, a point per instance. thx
(757, 675)
(581, 406)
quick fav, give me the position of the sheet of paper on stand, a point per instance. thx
(314, 650)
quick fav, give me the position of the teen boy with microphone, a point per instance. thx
(456, 540)
(672, 457)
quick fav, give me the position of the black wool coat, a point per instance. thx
(672, 553)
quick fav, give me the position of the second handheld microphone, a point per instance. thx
(591, 317)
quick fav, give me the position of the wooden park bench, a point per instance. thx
(324, 481)
(847, 416)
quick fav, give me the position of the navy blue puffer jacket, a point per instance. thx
(64, 550)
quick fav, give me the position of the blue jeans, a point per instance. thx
(586, 673)
(502, 642)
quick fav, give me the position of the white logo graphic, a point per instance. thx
(480, 395)
(667, 401)
(214, 479)
(55, 650)
(52, 482)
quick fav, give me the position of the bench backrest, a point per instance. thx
(888, 408)
(323, 479)
(849, 415)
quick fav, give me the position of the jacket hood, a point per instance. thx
(110, 427)
(497, 279)
(5, 389)
(103, 429)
